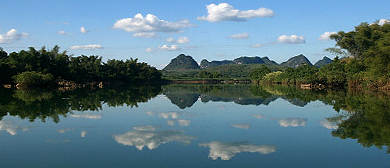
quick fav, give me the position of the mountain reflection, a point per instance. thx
(227, 150)
(147, 136)
(43, 104)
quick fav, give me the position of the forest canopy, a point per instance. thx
(45, 66)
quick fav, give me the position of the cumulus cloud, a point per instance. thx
(152, 139)
(169, 47)
(11, 36)
(89, 116)
(180, 40)
(183, 40)
(150, 23)
(227, 150)
(149, 49)
(11, 128)
(226, 12)
(146, 35)
(326, 36)
(241, 126)
(293, 122)
(293, 39)
(63, 33)
(329, 125)
(83, 30)
(383, 21)
(86, 47)
(240, 36)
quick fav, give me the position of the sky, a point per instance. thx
(156, 31)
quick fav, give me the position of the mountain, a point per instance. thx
(323, 62)
(206, 64)
(296, 61)
(241, 60)
(248, 60)
(182, 62)
(268, 61)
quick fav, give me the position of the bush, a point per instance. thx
(33, 78)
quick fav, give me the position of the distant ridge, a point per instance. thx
(323, 62)
(204, 64)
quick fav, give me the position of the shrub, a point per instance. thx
(34, 79)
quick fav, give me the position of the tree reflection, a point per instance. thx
(43, 104)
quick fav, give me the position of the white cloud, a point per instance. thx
(227, 150)
(145, 35)
(11, 128)
(63, 33)
(150, 23)
(11, 36)
(169, 48)
(241, 126)
(240, 36)
(329, 125)
(258, 45)
(149, 49)
(183, 40)
(180, 40)
(293, 39)
(152, 139)
(226, 12)
(326, 36)
(83, 30)
(293, 122)
(171, 40)
(89, 116)
(383, 21)
(86, 47)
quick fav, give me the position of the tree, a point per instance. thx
(258, 73)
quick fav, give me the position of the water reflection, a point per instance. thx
(11, 128)
(227, 150)
(43, 104)
(151, 138)
(364, 117)
(293, 122)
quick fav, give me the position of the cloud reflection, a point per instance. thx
(241, 126)
(89, 116)
(83, 134)
(152, 139)
(11, 128)
(227, 150)
(329, 125)
(293, 122)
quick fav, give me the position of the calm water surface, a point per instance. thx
(193, 126)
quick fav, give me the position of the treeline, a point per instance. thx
(42, 67)
(365, 62)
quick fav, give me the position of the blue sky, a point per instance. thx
(157, 31)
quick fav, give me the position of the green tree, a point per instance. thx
(258, 73)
